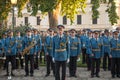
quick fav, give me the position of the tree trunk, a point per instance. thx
(54, 15)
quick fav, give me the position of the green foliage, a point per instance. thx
(22, 28)
(69, 7)
(5, 8)
(72, 7)
(43, 5)
(113, 17)
(21, 4)
(95, 6)
(103, 1)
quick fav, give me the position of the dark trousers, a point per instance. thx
(36, 63)
(42, 53)
(4, 62)
(88, 60)
(59, 64)
(115, 66)
(50, 65)
(27, 59)
(106, 60)
(95, 66)
(73, 66)
(21, 61)
(13, 63)
(83, 55)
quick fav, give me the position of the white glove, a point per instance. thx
(68, 60)
(53, 60)
(78, 59)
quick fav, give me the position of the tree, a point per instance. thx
(57, 7)
(53, 7)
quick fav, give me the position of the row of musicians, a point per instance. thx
(95, 48)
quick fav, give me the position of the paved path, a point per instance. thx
(82, 74)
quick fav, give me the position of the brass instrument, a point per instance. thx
(64, 44)
(27, 49)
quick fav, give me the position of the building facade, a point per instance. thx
(81, 20)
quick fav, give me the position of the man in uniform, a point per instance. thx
(115, 53)
(88, 58)
(49, 52)
(4, 36)
(1, 54)
(10, 48)
(83, 39)
(106, 44)
(38, 48)
(96, 52)
(61, 52)
(29, 43)
(75, 50)
(19, 47)
(42, 53)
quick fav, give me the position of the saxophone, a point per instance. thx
(27, 49)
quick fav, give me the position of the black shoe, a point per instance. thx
(31, 75)
(26, 75)
(98, 76)
(92, 76)
(113, 76)
(75, 76)
(104, 69)
(37, 68)
(118, 76)
(109, 69)
(46, 75)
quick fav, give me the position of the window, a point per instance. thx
(64, 20)
(94, 21)
(38, 20)
(78, 19)
(26, 20)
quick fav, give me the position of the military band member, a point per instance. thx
(38, 48)
(42, 53)
(61, 52)
(4, 36)
(29, 42)
(75, 50)
(107, 50)
(19, 48)
(10, 48)
(88, 58)
(115, 52)
(1, 49)
(49, 52)
(83, 39)
(96, 52)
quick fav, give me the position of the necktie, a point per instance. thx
(60, 37)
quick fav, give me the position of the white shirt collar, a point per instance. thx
(61, 35)
(116, 39)
(18, 36)
(51, 36)
(29, 36)
(73, 37)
